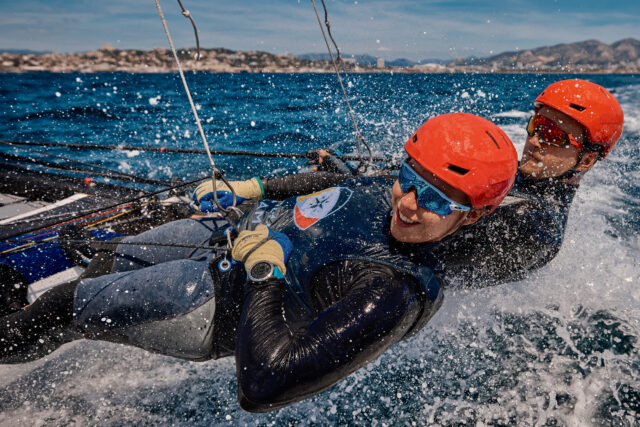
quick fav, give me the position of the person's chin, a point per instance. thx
(530, 169)
(406, 233)
(403, 236)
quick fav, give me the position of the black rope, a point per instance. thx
(190, 151)
(103, 242)
(57, 166)
(57, 240)
(109, 173)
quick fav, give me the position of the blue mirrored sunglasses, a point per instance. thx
(428, 196)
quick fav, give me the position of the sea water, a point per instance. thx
(557, 348)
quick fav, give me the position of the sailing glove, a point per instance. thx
(325, 160)
(248, 189)
(262, 244)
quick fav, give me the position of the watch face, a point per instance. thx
(261, 271)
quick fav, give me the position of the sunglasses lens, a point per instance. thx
(430, 200)
(407, 178)
(427, 197)
(551, 133)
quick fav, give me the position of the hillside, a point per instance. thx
(590, 56)
(160, 60)
(585, 56)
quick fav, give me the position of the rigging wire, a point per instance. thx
(328, 25)
(359, 138)
(49, 241)
(34, 243)
(110, 173)
(232, 208)
(187, 15)
(59, 167)
(347, 157)
(175, 245)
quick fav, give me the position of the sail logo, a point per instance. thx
(313, 207)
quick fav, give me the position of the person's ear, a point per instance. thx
(588, 159)
(475, 215)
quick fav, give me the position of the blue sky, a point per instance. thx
(391, 29)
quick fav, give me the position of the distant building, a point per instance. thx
(107, 46)
(349, 60)
(380, 63)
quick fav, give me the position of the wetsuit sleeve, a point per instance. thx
(280, 188)
(331, 163)
(279, 363)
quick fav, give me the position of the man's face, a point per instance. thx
(413, 224)
(540, 160)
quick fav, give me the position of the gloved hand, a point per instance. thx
(249, 189)
(271, 246)
(327, 161)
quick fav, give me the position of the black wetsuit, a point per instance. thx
(523, 234)
(291, 339)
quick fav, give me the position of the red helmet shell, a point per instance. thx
(591, 105)
(469, 153)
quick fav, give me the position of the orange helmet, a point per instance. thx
(589, 104)
(469, 153)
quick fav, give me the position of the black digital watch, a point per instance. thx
(261, 271)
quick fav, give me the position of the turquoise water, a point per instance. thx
(557, 348)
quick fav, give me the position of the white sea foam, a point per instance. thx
(125, 166)
(513, 114)
(628, 97)
(517, 134)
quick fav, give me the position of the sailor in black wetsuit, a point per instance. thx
(576, 123)
(320, 285)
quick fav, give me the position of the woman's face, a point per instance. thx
(540, 160)
(412, 224)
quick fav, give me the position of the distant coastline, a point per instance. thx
(591, 56)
